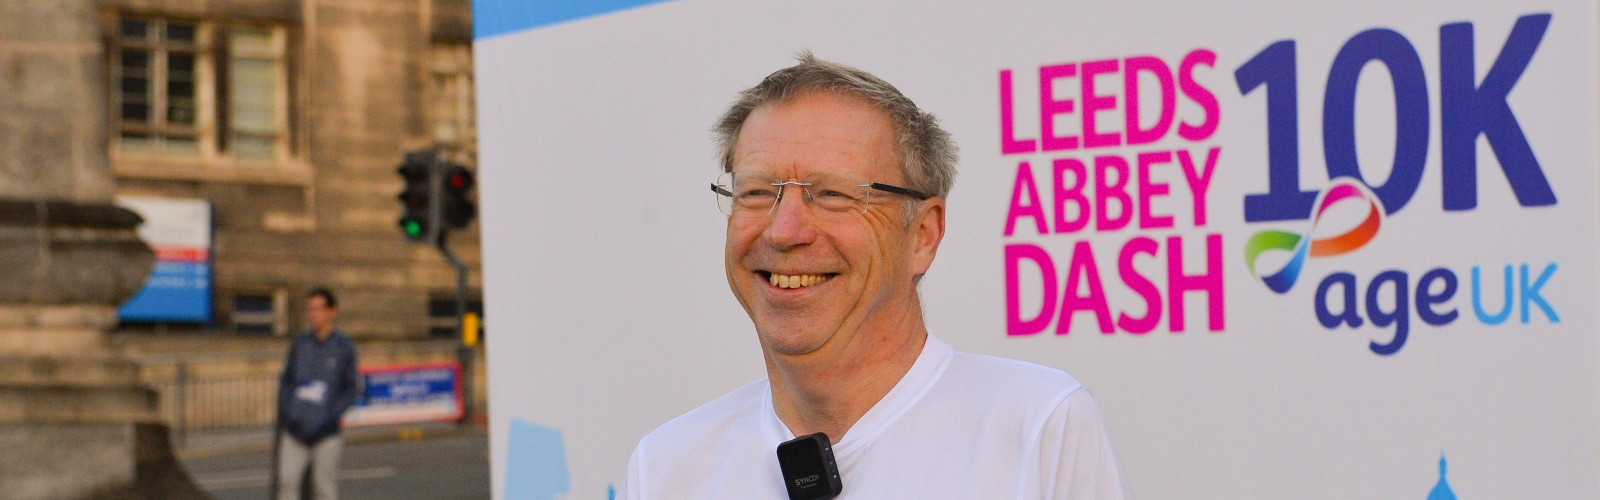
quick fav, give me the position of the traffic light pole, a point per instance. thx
(463, 353)
(433, 202)
(436, 235)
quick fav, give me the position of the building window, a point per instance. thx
(261, 314)
(201, 89)
(255, 89)
(155, 68)
(450, 107)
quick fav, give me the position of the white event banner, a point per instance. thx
(1295, 249)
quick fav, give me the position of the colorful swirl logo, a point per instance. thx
(1303, 246)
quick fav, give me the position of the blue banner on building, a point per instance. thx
(179, 287)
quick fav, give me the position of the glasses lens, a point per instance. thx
(753, 193)
(724, 191)
(836, 196)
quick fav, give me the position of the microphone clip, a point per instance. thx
(809, 471)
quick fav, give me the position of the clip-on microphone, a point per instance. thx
(809, 472)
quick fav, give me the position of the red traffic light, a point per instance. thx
(459, 179)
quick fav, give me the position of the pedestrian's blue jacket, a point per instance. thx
(320, 381)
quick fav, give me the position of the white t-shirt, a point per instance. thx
(958, 425)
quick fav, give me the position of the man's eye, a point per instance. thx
(756, 193)
(829, 193)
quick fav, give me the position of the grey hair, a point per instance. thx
(927, 155)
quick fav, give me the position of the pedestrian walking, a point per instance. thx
(320, 381)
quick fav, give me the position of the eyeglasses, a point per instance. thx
(756, 193)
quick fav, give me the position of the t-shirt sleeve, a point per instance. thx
(1076, 458)
(634, 482)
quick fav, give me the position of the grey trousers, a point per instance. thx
(294, 456)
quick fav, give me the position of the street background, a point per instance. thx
(175, 176)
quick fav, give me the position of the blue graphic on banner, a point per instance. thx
(176, 291)
(1441, 491)
(536, 463)
(498, 17)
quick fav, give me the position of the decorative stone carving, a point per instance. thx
(60, 252)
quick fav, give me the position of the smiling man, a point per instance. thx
(834, 185)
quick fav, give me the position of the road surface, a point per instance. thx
(439, 468)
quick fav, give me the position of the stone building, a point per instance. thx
(290, 117)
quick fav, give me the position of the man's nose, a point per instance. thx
(792, 223)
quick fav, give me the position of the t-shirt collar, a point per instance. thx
(930, 363)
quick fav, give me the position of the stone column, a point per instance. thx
(75, 420)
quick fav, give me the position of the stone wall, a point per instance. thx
(52, 102)
(30, 470)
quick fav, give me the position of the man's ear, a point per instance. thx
(927, 231)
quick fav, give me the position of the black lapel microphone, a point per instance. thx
(809, 472)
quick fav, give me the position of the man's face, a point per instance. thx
(318, 313)
(849, 272)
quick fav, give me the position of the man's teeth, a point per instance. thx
(796, 280)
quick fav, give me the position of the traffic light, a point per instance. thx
(416, 219)
(458, 208)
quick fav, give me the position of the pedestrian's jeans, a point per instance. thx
(324, 461)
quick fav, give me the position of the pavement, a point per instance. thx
(441, 461)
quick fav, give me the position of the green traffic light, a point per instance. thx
(412, 228)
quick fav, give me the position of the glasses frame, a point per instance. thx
(877, 186)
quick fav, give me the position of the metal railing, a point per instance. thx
(222, 391)
(206, 403)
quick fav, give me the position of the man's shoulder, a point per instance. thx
(711, 421)
(723, 449)
(301, 343)
(306, 342)
(343, 339)
(1002, 380)
(339, 341)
